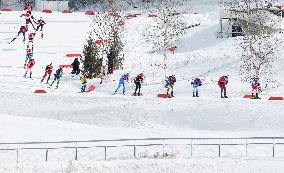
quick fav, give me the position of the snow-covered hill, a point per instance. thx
(100, 115)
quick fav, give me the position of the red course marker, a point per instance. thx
(276, 98)
(279, 6)
(40, 91)
(247, 97)
(65, 66)
(153, 15)
(92, 88)
(6, 9)
(114, 14)
(103, 41)
(121, 23)
(47, 11)
(164, 96)
(90, 13)
(131, 16)
(176, 14)
(66, 11)
(71, 55)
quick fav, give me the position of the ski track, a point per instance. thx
(64, 114)
(199, 53)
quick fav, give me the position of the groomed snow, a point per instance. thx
(153, 165)
(65, 114)
(199, 54)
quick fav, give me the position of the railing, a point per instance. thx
(253, 147)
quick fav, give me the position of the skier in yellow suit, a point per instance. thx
(84, 82)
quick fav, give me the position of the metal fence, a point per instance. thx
(253, 147)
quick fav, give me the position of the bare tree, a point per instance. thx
(260, 45)
(168, 26)
(258, 56)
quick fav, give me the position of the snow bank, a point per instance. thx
(153, 166)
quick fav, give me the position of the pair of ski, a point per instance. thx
(134, 94)
(51, 86)
(255, 98)
(84, 91)
(26, 77)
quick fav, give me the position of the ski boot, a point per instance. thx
(51, 84)
(83, 89)
(256, 96)
(47, 82)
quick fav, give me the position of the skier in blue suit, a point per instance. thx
(122, 81)
(196, 82)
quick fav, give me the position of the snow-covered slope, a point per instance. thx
(100, 115)
(153, 165)
(199, 54)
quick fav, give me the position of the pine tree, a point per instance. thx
(117, 47)
(92, 60)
